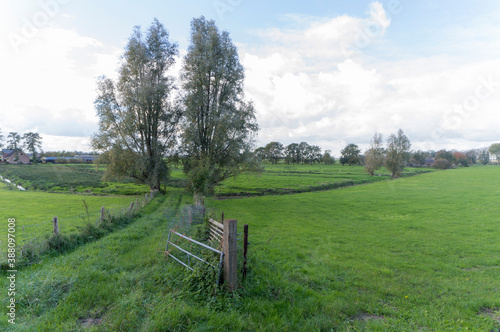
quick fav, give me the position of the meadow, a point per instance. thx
(412, 254)
(74, 178)
(290, 179)
(34, 211)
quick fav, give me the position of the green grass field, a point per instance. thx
(285, 179)
(79, 178)
(413, 254)
(34, 210)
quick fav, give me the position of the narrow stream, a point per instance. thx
(8, 181)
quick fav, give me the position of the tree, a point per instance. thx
(292, 153)
(418, 158)
(218, 124)
(32, 142)
(327, 158)
(1, 139)
(274, 151)
(443, 154)
(472, 156)
(13, 140)
(460, 158)
(484, 157)
(137, 123)
(374, 156)
(350, 154)
(442, 163)
(495, 150)
(398, 151)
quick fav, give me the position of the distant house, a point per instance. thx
(15, 157)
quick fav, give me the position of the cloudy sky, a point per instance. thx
(328, 72)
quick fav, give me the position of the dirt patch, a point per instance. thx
(89, 322)
(491, 313)
(369, 317)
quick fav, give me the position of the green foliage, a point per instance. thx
(137, 123)
(484, 157)
(218, 123)
(495, 150)
(374, 156)
(397, 153)
(350, 155)
(442, 163)
(33, 141)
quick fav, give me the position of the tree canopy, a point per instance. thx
(350, 155)
(137, 122)
(398, 153)
(218, 123)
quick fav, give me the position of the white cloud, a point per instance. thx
(321, 84)
(51, 82)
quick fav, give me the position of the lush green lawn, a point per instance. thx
(412, 254)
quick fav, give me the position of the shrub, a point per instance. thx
(442, 164)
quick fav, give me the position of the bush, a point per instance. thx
(442, 164)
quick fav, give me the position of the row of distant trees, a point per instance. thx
(394, 156)
(294, 153)
(14, 141)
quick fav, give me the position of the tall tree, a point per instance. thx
(137, 122)
(218, 123)
(484, 157)
(495, 150)
(13, 140)
(32, 142)
(1, 139)
(274, 151)
(398, 152)
(327, 158)
(374, 156)
(292, 153)
(350, 154)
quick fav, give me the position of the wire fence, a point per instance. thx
(29, 230)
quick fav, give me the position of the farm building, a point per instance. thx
(15, 156)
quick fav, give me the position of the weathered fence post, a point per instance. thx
(56, 226)
(131, 207)
(229, 248)
(102, 213)
(245, 245)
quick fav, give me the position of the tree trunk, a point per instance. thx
(198, 199)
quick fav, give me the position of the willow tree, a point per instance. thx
(218, 123)
(374, 156)
(137, 122)
(397, 153)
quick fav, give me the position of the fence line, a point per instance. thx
(65, 225)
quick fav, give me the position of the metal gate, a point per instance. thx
(187, 262)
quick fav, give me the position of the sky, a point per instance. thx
(327, 72)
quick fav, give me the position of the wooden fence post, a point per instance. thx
(102, 214)
(56, 226)
(131, 207)
(245, 245)
(229, 248)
